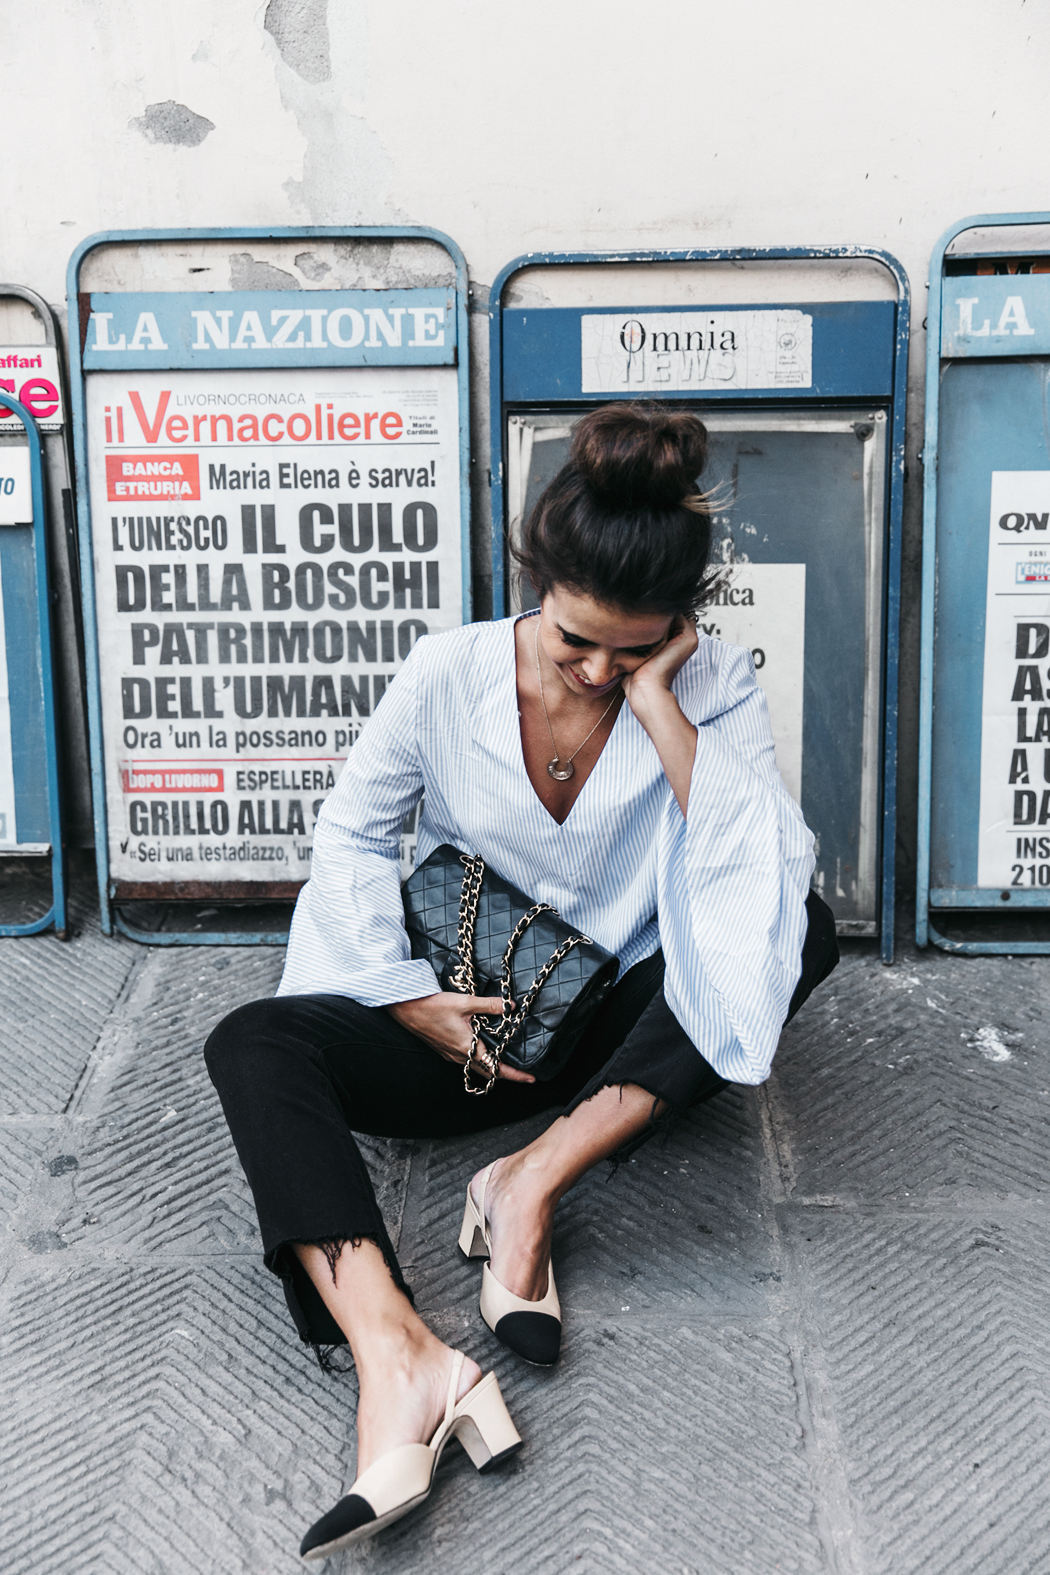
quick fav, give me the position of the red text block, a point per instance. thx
(152, 478)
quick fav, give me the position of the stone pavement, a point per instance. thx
(808, 1334)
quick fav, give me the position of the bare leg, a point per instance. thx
(525, 1187)
(402, 1369)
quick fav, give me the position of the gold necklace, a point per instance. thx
(562, 770)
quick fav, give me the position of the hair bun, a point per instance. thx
(639, 456)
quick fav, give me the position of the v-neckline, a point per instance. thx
(559, 825)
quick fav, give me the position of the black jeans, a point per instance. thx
(299, 1074)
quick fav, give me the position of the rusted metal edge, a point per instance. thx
(199, 890)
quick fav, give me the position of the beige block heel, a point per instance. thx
(472, 1242)
(484, 1427)
(403, 1478)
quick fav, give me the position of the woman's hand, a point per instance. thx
(650, 697)
(443, 1022)
(658, 672)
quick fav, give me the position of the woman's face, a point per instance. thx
(593, 644)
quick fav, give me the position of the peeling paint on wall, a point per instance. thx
(311, 266)
(173, 123)
(400, 265)
(299, 28)
(347, 172)
(249, 273)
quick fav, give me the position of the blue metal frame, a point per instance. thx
(896, 481)
(111, 920)
(924, 929)
(56, 914)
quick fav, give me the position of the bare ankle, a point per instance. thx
(527, 1176)
(399, 1344)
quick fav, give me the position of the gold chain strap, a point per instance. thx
(482, 1061)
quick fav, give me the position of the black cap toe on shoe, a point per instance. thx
(535, 1336)
(349, 1515)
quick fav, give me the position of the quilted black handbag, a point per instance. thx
(482, 936)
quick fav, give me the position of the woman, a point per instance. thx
(600, 757)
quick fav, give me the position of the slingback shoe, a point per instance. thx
(531, 1329)
(403, 1477)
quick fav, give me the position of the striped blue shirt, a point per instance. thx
(723, 892)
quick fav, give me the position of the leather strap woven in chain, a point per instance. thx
(483, 1061)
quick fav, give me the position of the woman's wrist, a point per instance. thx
(654, 705)
(404, 1012)
(673, 735)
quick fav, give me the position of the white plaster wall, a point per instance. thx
(557, 124)
(563, 122)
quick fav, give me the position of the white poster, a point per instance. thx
(269, 545)
(763, 607)
(16, 484)
(8, 829)
(1014, 841)
(655, 352)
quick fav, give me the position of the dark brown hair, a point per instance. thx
(623, 521)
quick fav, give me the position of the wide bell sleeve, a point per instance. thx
(733, 875)
(348, 931)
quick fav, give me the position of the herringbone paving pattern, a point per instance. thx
(808, 1333)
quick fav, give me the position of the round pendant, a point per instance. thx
(561, 773)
